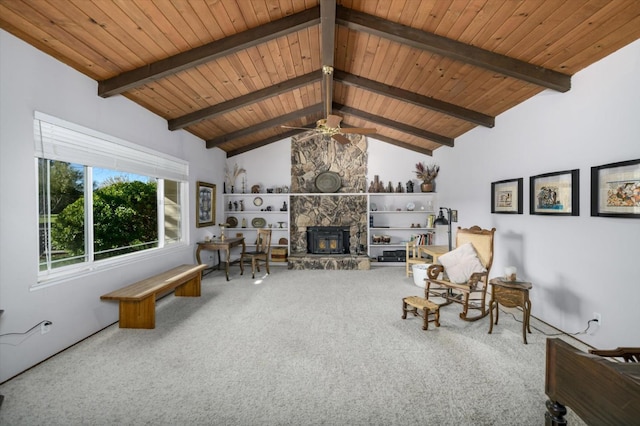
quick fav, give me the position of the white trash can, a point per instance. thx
(420, 273)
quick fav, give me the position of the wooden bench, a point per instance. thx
(138, 300)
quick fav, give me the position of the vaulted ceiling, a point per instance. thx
(233, 72)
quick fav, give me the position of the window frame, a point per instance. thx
(176, 171)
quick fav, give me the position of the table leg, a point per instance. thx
(491, 304)
(526, 312)
(226, 267)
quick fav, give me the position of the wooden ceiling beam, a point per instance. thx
(328, 37)
(208, 52)
(415, 99)
(453, 49)
(242, 101)
(404, 145)
(424, 134)
(212, 143)
(266, 141)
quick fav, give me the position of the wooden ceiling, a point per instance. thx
(232, 72)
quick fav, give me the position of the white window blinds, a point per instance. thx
(57, 139)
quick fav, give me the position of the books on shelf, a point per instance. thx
(424, 239)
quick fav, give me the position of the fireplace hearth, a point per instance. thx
(328, 239)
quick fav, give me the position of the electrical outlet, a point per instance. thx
(45, 327)
(597, 317)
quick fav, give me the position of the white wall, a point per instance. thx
(32, 81)
(578, 265)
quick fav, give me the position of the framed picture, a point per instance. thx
(205, 204)
(615, 190)
(506, 196)
(555, 193)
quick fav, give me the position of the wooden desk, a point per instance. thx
(226, 245)
(511, 294)
(434, 251)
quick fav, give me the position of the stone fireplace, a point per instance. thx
(310, 209)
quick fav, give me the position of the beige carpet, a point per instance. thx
(294, 348)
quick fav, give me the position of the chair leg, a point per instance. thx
(266, 262)
(404, 309)
(253, 267)
(425, 325)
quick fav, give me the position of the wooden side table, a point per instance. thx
(511, 294)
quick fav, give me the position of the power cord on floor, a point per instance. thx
(555, 334)
(45, 322)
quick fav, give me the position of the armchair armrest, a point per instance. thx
(434, 271)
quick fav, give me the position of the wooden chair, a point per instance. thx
(627, 354)
(471, 293)
(413, 256)
(261, 253)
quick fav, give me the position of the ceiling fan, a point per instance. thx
(330, 126)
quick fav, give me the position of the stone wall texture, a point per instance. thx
(312, 154)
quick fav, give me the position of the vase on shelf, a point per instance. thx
(427, 186)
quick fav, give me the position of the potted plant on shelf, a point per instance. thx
(428, 175)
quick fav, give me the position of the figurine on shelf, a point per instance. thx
(399, 188)
(230, 207)
(284, 207)
(255, 189)
(241, 205)
(410, 186)
(235, 205)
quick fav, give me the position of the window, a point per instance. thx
(100, 198)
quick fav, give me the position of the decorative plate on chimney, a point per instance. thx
(328, 182)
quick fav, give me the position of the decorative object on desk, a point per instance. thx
(222, 228)
(510, 273)
(427, 174)
(258, 222)
(615, 190)
(328, 182)
(506, 196)
(257, 201)
(411, 206)
(255, 189)
(555, 193)
(232, 222)
(205, 204)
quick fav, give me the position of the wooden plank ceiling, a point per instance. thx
(232, 72)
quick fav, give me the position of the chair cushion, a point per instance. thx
(461, 263)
